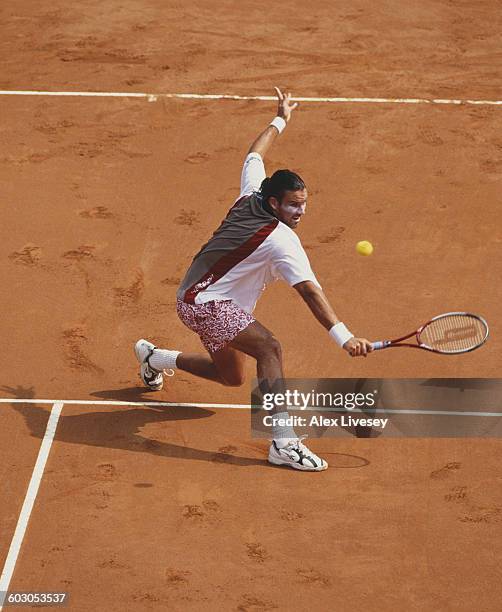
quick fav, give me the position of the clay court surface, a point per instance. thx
(106, 200)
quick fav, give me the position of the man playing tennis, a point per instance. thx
(254, 245)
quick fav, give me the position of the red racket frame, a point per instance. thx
(398, 341)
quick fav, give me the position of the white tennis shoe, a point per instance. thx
(296, 455)
(151, 378)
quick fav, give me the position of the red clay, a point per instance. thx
(105, 203)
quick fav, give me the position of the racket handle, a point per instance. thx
(380, 345)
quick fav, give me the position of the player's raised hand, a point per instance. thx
(358, 347)
(285, 107)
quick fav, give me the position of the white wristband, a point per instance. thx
(279, 123)
(340, 333)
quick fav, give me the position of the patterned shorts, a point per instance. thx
(217, 322)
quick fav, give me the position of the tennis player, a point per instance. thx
(255, 244)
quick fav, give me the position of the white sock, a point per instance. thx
(163, 359)
(282, 433)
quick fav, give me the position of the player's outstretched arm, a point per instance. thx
(264, 141)
(324, 313)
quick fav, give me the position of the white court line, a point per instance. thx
(122, 403)
(153, 97)
(239, 407)
(29, 500)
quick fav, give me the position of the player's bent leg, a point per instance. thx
(200, 365)
(225, 367)
(216, 323)
(286, 448)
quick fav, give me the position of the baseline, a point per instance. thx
(153, 97)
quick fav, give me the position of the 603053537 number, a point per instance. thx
(20, 598)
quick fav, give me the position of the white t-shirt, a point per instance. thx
(279, 256)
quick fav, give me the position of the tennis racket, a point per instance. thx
(449, 334)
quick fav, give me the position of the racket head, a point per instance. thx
(452, 333)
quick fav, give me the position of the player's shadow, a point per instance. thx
(121, 428)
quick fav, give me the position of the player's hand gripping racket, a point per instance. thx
(449, 334)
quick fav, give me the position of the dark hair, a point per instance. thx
(280, 182)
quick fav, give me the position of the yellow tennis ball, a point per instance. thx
(364, 247)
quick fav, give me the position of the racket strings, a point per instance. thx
(454, 333)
